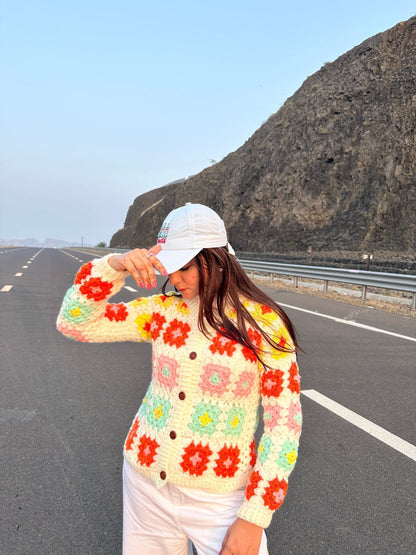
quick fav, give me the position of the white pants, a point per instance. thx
(164, 521)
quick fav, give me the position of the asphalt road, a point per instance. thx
(65, 408)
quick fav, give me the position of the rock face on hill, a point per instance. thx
(334, 168)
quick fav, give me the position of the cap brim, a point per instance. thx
(175, 259)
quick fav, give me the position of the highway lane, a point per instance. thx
(65, 408)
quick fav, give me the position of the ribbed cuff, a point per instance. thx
(255, 512)
(103, 268)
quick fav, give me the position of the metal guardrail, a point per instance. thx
(363, 278)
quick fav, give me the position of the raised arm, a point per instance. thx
(86, 313)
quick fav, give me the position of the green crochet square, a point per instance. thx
(235, 421)
(157, 412)
(205, 419)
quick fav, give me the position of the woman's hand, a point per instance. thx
(141, 264)
(242, 538)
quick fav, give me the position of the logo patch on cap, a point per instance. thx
(163, 233)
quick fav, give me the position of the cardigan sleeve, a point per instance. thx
(277, 450)
(86, 315)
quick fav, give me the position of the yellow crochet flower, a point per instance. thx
(164, 300)
(143, 302)
(75, 312)
(143, 325)
(158, 412)
(282, 338)
(264, 313)
(231, 313)
(292, 457)
(183, 308)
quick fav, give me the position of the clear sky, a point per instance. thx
(102, 101)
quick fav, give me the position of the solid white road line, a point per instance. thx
(6, 288)
(351, 323)
(374, 430)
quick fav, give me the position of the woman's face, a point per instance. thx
(186, 280)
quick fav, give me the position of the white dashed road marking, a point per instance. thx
(6, 288)
(130, 289)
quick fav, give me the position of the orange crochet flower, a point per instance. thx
(255, 337)
(275, 493)
(195, 458)
(253, 454)
(132, 434)
(96, 288)
(176, 333)
(282, 342)
(272, 383)
(222, 345)
(255, 479)
(116, 312)
(83, 272)
(157, 324)
(294, 378)
(147, 450)
(227, 462)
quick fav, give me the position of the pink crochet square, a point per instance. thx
(244, 385)
(215, 379)
(166, 371)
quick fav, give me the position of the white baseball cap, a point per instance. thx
(186, 231)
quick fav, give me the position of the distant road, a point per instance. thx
(65, 408)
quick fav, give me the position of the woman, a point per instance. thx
(220, 346)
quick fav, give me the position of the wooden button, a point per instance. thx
(192, 355)
(182, 395)
(172, 435)
(163, 475)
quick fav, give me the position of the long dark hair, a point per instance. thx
(222, 285)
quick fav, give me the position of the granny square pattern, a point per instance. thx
(195, 427)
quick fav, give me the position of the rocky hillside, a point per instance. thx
(333, 169)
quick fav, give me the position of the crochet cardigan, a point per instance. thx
(195, 426)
